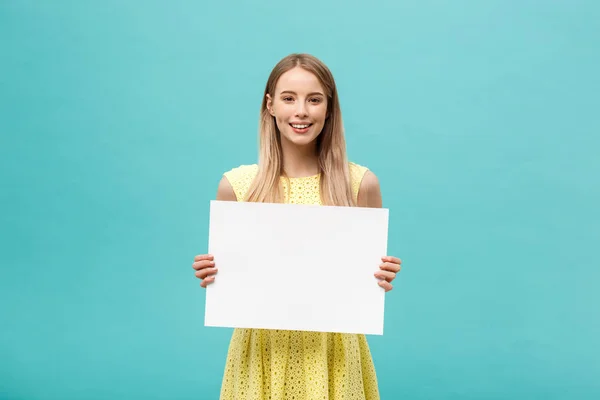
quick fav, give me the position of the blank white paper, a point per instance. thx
(296, 267)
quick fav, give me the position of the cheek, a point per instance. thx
(322, 114)
(281, 122)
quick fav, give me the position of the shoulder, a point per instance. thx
(225, 190)
(369, 190)
(236, 182)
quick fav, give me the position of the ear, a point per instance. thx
(270, 104)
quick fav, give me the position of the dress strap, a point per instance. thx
(357, 173)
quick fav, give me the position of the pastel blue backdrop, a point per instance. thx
(117, 119)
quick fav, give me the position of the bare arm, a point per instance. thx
(369, 193)
(225, 191)
(204, 264)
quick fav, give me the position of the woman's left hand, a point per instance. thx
(388, 270)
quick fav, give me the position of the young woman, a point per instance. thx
(302, 160)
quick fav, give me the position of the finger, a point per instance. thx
(203, 264)
(201, 257)
(386, 285)
(387, 275)
(203, 273)
(207, 281)
(388, 266)
(393, 260)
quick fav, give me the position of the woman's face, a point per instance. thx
(299, 106)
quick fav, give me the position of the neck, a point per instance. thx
(300, 161)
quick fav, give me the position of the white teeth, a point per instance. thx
(300, 126)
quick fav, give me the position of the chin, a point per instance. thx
(300, 140)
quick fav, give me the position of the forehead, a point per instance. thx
(299, 80)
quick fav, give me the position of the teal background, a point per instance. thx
(480, 119)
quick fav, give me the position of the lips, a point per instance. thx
(300, 128)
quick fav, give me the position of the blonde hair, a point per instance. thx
(331, 145)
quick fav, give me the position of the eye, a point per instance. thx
(287, 98)
(315, 100)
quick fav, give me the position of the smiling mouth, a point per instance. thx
(300, 126)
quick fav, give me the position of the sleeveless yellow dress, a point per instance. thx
(294, 365)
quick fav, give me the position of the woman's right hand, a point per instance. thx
(205, 269)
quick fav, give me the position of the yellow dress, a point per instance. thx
(294, 365)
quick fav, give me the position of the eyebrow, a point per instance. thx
(294, 93)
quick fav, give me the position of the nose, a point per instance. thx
(301, 109)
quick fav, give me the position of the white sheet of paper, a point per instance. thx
(296, 267)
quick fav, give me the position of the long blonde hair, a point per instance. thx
(331, 145)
